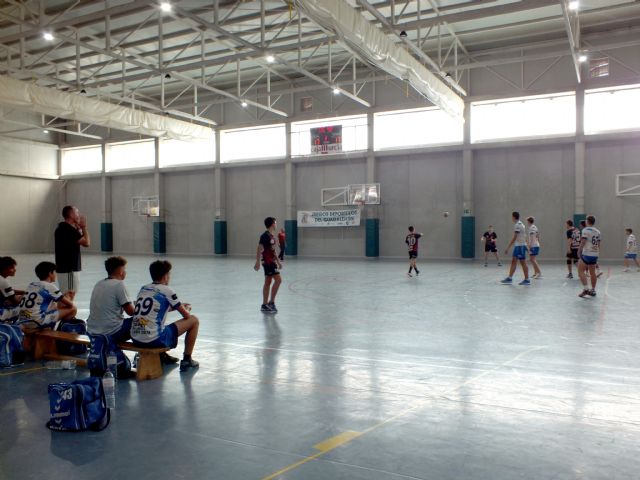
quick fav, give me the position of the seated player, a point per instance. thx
(155, 300)
(9, 297)
(43, 303)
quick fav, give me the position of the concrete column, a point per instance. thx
(579, 209)
(159, 224)
(220, 222)
(106, 224)
(372, 222)
(291, 213)
(468, 219)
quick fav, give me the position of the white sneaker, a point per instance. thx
(537, 276)
(409, 274)
(626, 270)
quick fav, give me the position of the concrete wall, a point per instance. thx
(29, 196)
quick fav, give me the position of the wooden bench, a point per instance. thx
(44, 347)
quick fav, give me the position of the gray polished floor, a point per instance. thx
(364, 374)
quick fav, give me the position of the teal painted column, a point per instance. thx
(291, 231)
(220, 237)
(372, 232)
(106, 237)
(159, 237)
(577, 217)
(468, 235)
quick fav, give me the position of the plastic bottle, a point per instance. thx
(109, 386)
(53, 365)
(112, 364)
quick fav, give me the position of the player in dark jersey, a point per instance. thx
(489, 239)
(412, 241)
(271, 263)
(573, 245)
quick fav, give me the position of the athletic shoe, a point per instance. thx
(187, 364)
(272, 306)
(409, 274)
(638, 270)
(167, 359)
(599, 274)
(626, 270)
(526, 281)
(417, 272)
(537, 276)
(584, 293)
(265, 308)
(570, 275)
(507, 281)
(592, 292)
(486, 264)
(499, 264)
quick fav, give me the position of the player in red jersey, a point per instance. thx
(271, 263)
(412, 241)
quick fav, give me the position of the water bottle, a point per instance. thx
(112, 364)
(109, 386)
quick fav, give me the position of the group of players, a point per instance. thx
(583, 249)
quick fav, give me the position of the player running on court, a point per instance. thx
(533, 244)
(490, 246)
(271, 264)
(519, 251)
(412, 241)
(573, 245)
(631, 250)
(589, 251)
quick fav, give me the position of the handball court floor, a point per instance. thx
(364, 374)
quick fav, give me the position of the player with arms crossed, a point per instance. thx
(589, 251)
(155, 300)
(519, 251)
(266, 252)
(412, 241)
(631, 250)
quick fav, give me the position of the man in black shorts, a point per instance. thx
(70, 235)
(271, 264)
(412, 241)
(573, 245)
(489, 239)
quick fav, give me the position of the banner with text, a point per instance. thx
(329, 218)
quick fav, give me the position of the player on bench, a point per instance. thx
(43, 303)
(9, 298)
(154, 301)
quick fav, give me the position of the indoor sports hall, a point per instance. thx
(252, 142)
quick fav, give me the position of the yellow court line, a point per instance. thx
(21, 371)
(346, 437)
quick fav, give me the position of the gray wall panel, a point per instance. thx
(252, 193)
(189, 211)
(131, 232)
(535, 181)
(416, 190)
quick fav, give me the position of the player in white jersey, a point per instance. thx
(9, 297)
(533, 245)
(631, 250)
(589, 252)
(43, 302)
(155, 300)
(519, 251)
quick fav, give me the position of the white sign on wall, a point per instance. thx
(349, 217)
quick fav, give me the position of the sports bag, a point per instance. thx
(73, 325)
(78, 406)
(11, 348)
(99, 349)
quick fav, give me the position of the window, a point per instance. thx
(599, 67)
(124, 156)
(177, 152)
(416, 127)
(354, 133)
(612, 109)
(81, 160)
(253, 143)
(525, 117)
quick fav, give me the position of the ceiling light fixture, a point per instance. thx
(336, 91)
(582, 58)
(574, 5)
(48, 36)
(270, 58)
(244, 104)
(45, 131)
(165, 7)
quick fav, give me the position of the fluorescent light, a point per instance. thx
(270, 58)
(165, 7)
(336, 91)
(582, 58)
(244, 104)
(48, 36)
(574, 5)
(45, 131)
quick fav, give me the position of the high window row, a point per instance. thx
(605, 110)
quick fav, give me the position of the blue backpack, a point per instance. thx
(11, 349)
(100, 347)
(74, 325)
(78, 406)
